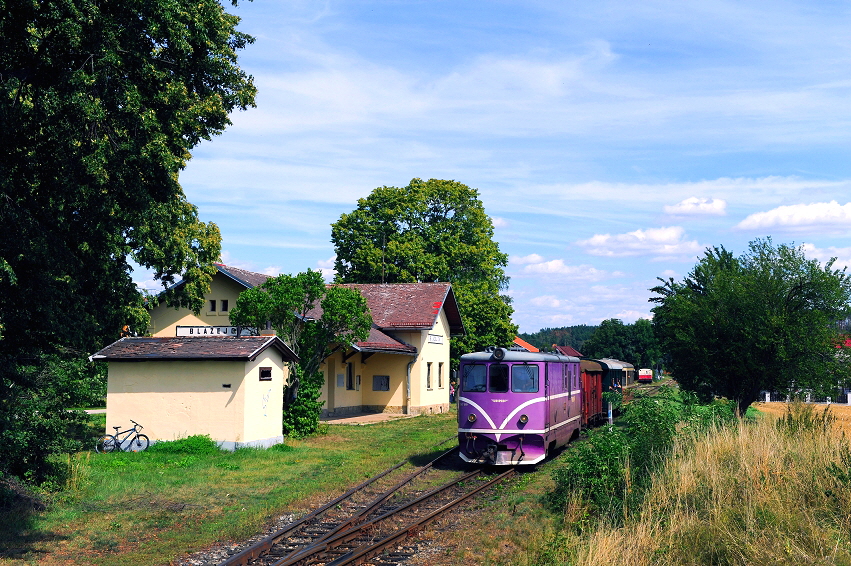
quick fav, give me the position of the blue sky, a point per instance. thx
(611, 142)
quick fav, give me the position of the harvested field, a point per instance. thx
(842, 412)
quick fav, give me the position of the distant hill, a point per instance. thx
(573, 336)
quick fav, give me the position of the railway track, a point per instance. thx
(370, 518)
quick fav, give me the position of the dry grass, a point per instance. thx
(841, 412)
(748, 494)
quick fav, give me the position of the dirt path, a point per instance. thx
(842, 412)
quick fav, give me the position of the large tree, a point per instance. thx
(312, 319)
(431, 231)
(762, 321)
(634, 343)
(100, 103)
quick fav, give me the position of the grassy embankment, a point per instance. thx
(151, 507)
(753, 492)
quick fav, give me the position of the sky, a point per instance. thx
(611, 142)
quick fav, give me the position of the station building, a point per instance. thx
(402, 367)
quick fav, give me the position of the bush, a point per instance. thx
(595, 471)
(198, 444)
(613, 468)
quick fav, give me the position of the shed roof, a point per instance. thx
(231, 348)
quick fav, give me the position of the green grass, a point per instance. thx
(151, 507)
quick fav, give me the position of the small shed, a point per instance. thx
(228, 387)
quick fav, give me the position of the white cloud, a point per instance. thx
(818, 214)
(670, 273)
(326, 266)
(558, 267)
(549, 301)
(499, 222)
(662, 243)
(698, 206)
(531, 258)
(273, 270)
(842, 255)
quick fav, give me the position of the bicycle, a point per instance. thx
(112, 442)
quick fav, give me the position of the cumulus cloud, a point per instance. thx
(698, 206)
(272, 270)
(662, 243)
(499, 222)
(670, 273)
(558, 267)
(522, 260)
(549, 301)
(818, 214)
(842, 255)
(326, 267)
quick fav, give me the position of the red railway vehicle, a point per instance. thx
(592, 392)
(645, 375)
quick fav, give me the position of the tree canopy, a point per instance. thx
(634, 343)
(764, 321)
(431, 231)
(311, 318)
(100, 105)
(573, 336)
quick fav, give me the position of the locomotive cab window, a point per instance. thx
(474, 378)
(524, 379)
(498, 378)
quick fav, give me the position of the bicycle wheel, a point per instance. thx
(139, 443)
(106, 443)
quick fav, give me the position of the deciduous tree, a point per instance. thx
(311, 318)
(431, 231)
(762, 321)
(100, 104)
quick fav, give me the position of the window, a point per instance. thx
(524, 378)
(498, 378)
(428, 375)
(212, 305)
(381, 383)
(440, 375)
(350, 376)
(474, 378)
(265, 374)
(565, 381)
(224, 308)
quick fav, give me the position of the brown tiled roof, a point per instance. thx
(381, 342)
(231, 348)
(247, 278)
(410, 305)
(567, 351)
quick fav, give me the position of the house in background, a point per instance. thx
(402, 367)
(523, 346)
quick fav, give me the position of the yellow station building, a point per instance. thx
(195, 376)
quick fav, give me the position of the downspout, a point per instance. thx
(408, 387)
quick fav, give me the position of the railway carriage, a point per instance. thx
(515, 407)
(645, 375)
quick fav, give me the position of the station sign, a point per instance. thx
(435, 339)
(214, 331)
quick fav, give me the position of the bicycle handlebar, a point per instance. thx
(137, 424)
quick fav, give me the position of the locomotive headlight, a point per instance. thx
(524, 419)
(471, 417)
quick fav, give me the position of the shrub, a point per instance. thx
(198, 444)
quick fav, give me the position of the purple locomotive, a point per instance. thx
(515, 407)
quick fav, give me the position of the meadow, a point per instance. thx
(154, 506)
